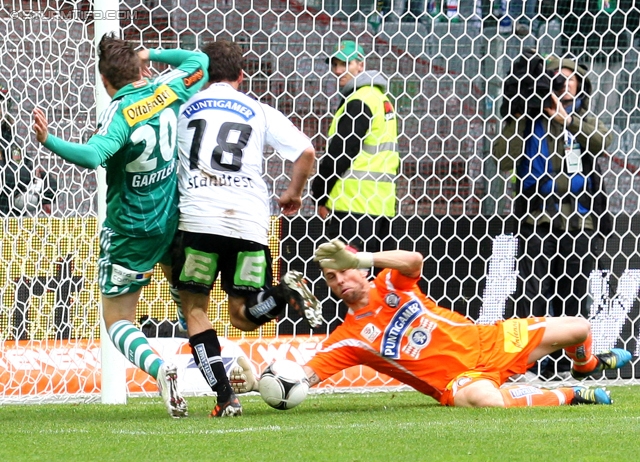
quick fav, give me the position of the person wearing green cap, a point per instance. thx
(355, 185)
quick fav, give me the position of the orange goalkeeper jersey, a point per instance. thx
(404, 334)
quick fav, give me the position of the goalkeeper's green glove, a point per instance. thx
(336, 255)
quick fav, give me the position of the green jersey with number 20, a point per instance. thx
(136, 143)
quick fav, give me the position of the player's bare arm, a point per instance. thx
(312, 377)
(291, 200)
(144, 55)
(243, 380)
(40, 125)
(335, 255)
(407, 263)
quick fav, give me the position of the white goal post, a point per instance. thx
(446, 74)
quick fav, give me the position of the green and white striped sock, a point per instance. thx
(132, 343)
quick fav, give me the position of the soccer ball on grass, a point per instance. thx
(283, 384)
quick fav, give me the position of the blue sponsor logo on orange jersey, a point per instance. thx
(397, 327)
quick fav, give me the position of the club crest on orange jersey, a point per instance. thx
(392, 300)
(419, 337)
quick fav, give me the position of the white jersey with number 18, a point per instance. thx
(222, 134)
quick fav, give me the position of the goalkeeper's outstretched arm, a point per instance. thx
(312, 377)
(336, 255)
(405, 262)
(244, 380)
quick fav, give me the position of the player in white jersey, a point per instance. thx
(222, 153)
(224, 213)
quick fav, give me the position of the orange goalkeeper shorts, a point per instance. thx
(506, 347)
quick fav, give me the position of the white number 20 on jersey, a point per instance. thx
(168, 124)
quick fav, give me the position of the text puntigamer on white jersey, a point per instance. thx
(222, 134)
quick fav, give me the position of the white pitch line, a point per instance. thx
(297, 428)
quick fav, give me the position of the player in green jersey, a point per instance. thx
(136, 144)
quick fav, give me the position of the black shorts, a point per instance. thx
(244, 266)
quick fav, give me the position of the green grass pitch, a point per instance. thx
(386, 427)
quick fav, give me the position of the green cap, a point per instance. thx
(347, 51)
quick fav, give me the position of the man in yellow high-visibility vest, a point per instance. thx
(355, 185)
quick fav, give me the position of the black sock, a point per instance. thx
(206, 353)
(263, 307)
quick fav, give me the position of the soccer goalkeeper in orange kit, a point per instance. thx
(395, 329)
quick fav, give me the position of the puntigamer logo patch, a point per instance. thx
(397, 327)
(150, 106)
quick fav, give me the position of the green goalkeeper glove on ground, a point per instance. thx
(336, 255)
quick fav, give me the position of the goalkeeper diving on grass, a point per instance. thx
(136, 143)
(394, 328)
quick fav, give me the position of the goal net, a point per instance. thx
(446, 62)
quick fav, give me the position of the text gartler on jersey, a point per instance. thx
(145, 180)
